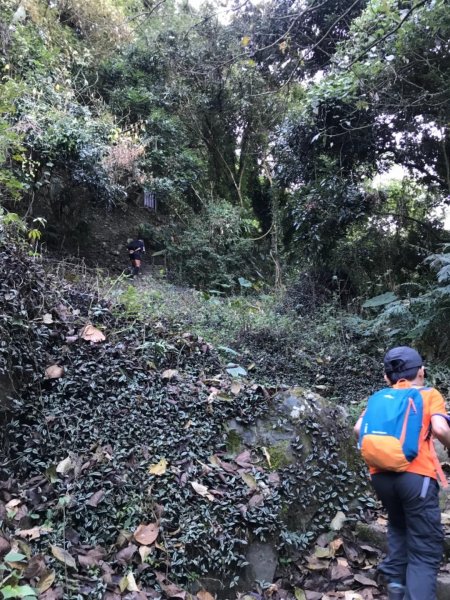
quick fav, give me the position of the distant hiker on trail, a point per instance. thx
(135, 250)
(396, 440)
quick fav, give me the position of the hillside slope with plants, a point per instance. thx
(288, 166)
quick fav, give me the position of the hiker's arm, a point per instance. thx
(441, 430)
(357, 427)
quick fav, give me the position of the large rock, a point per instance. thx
(311, 445)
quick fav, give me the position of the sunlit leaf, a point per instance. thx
(63, 556)
(146, 534)
(158, 468)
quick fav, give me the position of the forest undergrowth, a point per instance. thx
(118, 479)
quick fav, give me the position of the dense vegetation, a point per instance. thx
(260, 128)
(299, 155)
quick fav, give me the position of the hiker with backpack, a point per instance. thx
(396, 434)
(135, 250)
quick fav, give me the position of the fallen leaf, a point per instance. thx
(169, 374)
(202, 490)
(46, 582)
(35, 568)
(249, 480)
(320, 552)
(335, 545)
(13, 503)
(144, 551)
(339, 571)
(125, 555)
(338, 521)
(92, 334)
(363, 580)
(236, 387)
(314, 564)
(92, 558)
(123, 583)
(95, 499)
(299, 594)
(131, 583)
(47, 319)
(64, 466)
(204, 595)
(146, 534)
(256, 500)
(267, 455)
(170, 589)
(5, 546)
(159, 468)
(243, 459)
(54, 372)
(63, 556)
(34, 533)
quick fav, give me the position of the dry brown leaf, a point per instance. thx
(338, 521)
(123, 583)
(320, 552)
(267, 456)
(363, 580)
(204, 595)
(5, 546)
(236, 387)
(34, 533)
(92, 334)
(169, 374)
(202, 490)
(249, 480)
(125, 555)
(54, 372)
(256, 500)
(63, 556)
(92, 558)
(64, 466)
(35, 568)
(144, 551)
(244, 459)
(335, 545)
(13, 503)
(340, 570)
(314, 564)
(159, 468)
(131, 583)
(215, 461)
(95, 499)
(46, 582)
(170, 589)
(146, 534)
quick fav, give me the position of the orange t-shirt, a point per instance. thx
(433, 403)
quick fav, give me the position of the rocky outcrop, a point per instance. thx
(307, 441)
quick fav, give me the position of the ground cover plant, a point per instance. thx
(117, 463)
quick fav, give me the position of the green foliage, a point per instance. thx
(420, 319)
(213, 252)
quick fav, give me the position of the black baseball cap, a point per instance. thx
(402, 362)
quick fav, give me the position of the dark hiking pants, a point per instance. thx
(415, 535)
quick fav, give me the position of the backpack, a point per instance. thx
(391, 429)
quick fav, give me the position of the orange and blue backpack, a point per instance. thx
(391, 428)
